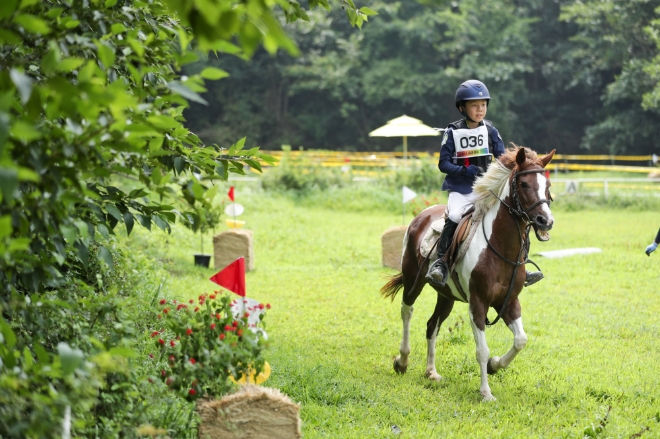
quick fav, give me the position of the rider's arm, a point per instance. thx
(447, 152)
(498, 143)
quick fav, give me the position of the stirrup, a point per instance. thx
(531, 277)
(437, 274)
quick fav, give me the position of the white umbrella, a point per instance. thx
(404, 126)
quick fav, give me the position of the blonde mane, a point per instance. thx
(497, 177)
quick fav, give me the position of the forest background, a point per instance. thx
(580, 77)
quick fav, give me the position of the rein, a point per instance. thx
(522, 213)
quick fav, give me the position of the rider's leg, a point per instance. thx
(457, 204)
(531, 277)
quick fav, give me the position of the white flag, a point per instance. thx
(408, 194)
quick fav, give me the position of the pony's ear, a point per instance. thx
(521, 156)
(545, 160)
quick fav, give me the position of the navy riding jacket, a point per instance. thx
(457, 180)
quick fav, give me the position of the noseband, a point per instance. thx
(517, 210)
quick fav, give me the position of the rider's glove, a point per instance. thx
(472, 170)
(651, 248)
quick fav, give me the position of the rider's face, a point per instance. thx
(476, 110)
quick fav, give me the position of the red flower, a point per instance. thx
(193, 361)
(211, 296)
(166, 310)
(221, 337)
(261, 306)
(155, 333)
(212, 325)
(191, 301)
(268, 306)
(196, 308)
(161, 341)
(171, 359)
(172, 343)
(163, 302)
(159, 316)
(217, 316)
(229, 328)
(188, 331)
(150, 380)
(235, 324)
(246, 315)
(191, 392)
(169, 381)
(163, 373)
(239, 332)
(151, 355)
(180, 305)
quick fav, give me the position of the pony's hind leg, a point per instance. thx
(401, 361)
(442, 310)
(513, 320)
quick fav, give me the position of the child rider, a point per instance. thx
(467, 149)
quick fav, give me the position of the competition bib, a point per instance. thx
(471, 142)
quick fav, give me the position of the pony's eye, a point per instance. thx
(524, 185)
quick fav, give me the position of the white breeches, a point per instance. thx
(458, 204)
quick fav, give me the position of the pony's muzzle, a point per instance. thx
(543, 223)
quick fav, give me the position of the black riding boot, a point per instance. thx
(437, 274)
(531, 277)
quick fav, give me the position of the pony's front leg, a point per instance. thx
(478, 323)
(401, 361)
(513, 320)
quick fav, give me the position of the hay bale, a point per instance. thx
(392, 241)
(231, 245)
(253, 412)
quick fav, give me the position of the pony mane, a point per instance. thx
(497, 177)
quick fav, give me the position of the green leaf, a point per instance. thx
(103, 230)
(42, 355)
(129, 221)
(110, 3)
(71, 359)
(105, 53)
(118, 28)
(240, 144)
(213, 73)
(5, 226)
(366, 11)
(106, 256)
(182, 90)
(7, 7)
(123, 352)
(9, 37)
(70, 233)
(32, 24)
(25, 131)
(8, 182)
(112, 210)
(70, 64)
(160, 222)
(23, 84)
(7, 333)
(27, 358)
(28, 3)
(83, 252)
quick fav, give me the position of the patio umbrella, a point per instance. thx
(404, 126)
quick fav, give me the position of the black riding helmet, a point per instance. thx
(471, 90)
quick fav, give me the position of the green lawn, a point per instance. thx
(590, 367)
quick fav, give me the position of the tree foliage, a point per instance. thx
(575, 76)
(92, 137)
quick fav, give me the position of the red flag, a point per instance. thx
(232, 277)
(231, 193)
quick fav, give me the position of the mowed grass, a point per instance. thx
(591, 366)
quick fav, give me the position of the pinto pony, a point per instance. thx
(513, 196)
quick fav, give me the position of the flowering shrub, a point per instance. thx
(418, 204)
(204, 342)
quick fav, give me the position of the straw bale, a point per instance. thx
(253, 412)
(231, 245)
(392, 242)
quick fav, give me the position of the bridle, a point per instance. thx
(517, 210)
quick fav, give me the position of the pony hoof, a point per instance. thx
(489, 367)
(488, 398)
(399, 369)
(434, 376)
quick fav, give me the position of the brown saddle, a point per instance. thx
(462, 233)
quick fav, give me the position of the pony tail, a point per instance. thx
(392, 287)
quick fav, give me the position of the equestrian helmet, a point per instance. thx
(471, 90)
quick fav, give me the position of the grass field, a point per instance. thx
(590, 368)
